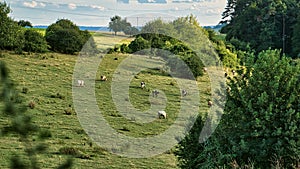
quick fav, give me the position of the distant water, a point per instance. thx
(106, 29)
(89, 28)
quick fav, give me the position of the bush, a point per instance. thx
(139, 44)
(261, 119)
(31, 104)
(65, 37)
(34, 42)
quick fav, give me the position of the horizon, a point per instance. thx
(94, 13)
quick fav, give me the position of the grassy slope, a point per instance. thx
(49, 75)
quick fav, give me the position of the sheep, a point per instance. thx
(103, 78)
(80, 83)
(210, 103)
(155, 93)
(225, 74)
(233, 72)
(162, 113)
(183, 93)
(143, 85)
(205, 69)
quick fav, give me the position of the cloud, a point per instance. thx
(72, 6)
(42, 4)
(101, 8)
(31, 4)
(213, 11)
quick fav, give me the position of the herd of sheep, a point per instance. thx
(161, 113)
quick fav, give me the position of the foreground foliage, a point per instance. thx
(260, 126)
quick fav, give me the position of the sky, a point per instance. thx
(99, 12)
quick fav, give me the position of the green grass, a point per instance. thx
(48, 79)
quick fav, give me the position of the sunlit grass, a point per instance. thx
(48, 79)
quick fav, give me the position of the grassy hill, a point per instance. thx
(47, 80)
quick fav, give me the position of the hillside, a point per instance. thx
(47, 78)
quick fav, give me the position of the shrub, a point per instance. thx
(65, 37)
(34, 42)
(139, 44)
(261, 119)
(31, 104)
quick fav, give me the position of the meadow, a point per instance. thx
(46, 79)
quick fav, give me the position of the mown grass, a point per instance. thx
(46, 79)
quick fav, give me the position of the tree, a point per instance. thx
(129, 30)
(34, 42)
(296, 39)
(260, 124)
(11, 35)
(24, 23)
(117, 24)
(262, 24)
(65, 37)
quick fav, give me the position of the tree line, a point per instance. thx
(62, 36)
(264, 24)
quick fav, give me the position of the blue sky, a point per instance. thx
(98, 12)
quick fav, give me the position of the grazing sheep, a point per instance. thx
(183, 93)
(162, 113)
(143, 85)
(155, 93)
(80, 83)
(210, 103)
(225, 74)
(233, 72)
(228, 89)
(103, 78)
(205, 69)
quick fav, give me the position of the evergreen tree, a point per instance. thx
(262, 24)
(296, 39)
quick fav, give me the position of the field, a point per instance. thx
(47, 80)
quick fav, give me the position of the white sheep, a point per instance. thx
(103, 78)
(80, 83)
(209, 103)
(143, 85)
(162, 113)
(183, 93)
(233, 72)
(155, 93)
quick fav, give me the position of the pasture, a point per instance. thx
(46, 79)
